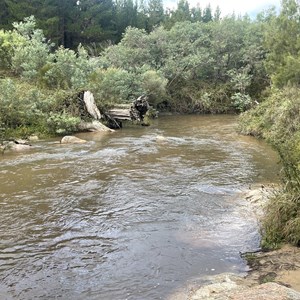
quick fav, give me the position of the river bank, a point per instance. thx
(272, 274)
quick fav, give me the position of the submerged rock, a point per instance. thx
(70, 139)
(15, 145)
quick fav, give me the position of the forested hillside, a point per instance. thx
(92, 22)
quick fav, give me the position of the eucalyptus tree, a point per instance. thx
(207, 15)
(96, 21)
(155, 14)
(283, 43)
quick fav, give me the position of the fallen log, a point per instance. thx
(90, 105)
(135, 112)
(120, 114)
(93, 126)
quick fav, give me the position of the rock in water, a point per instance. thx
(18, 147)
(70, 139)
(33, 138)
(15, 145)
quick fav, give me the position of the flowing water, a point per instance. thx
(136, 214)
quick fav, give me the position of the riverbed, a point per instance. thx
(135, 214)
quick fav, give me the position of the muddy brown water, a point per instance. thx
(135, 214)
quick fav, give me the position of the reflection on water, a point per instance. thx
(130, 215)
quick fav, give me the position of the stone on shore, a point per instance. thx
(231, 287)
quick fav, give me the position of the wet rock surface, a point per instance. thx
(17, 145)
(69, 139)
(273, 274)
(229, 286)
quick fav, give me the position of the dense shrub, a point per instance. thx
(21, 104)
(32, 53)
(278, 121)
(62, 123)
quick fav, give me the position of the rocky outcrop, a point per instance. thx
(70, 139)
(266, 291)
(229, 286)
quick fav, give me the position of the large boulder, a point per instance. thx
(70, 139)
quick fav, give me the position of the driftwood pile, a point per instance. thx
(132, 112)
(113, 117)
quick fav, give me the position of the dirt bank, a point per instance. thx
(281, 266)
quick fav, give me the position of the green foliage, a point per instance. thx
(240, 80)
(282, 220)
(277, 119)
(20, 104)
(154, 85)
(114, 86)
(187, 50)
(60, 69)
(32, 53)
(62, 123)
(67, 69)
(9, 40)
(283, 44)
(197, 55)
(156, 13)
(241, 102)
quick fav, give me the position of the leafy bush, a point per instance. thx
(114, 86)
(67, 69)
(241, 102)
(9, 40)
(20, 104)
(278, 121)
(62, 123)
(154, 85)
(32, 53)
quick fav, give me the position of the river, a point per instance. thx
(135, 214)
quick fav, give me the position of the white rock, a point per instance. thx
(70, 139)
